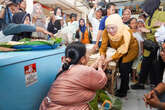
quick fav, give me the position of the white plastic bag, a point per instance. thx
(4, 38)
(160, 34)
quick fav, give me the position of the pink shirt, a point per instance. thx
(74, 88)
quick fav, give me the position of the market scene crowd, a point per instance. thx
(137, 42)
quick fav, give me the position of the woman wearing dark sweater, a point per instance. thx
(21, 28)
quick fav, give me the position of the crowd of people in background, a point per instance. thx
(126, 34)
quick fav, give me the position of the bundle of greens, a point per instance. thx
(29, 44)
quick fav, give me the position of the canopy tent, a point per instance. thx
(69, 6)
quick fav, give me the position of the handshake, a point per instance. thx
(101, 63)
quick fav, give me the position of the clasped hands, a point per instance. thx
(152, 100)
(101, 62)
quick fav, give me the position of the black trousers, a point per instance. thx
(151, 67)
(124, 69)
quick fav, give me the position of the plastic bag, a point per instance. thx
(160, 36)
(101, 96)
(4, 38)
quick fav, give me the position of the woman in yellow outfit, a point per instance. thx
(149, 64)
(120, 38)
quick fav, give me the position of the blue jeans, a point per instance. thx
(162, 99)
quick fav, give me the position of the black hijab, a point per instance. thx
(19, 18)
(149, 7)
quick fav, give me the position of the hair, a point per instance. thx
(127, 9)
(149, 7)
(73, 15)
(142, 14)
(55, 10)
(129, 22)
(81, 19)
(19, 17)
(109, 5)
(75, 51)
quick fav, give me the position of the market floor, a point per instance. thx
(134, 100)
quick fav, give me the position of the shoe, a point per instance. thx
(128, 88)
(137, 86)
(117, 92)
(121, 95)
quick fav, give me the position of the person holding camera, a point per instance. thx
(8, 9)
(150, 64)
(156, 97)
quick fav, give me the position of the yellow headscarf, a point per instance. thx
(122, 31)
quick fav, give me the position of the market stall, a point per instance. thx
(25, 77)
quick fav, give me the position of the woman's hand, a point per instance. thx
(158, 24)
(101, 61)
(106, 62)
(48, 33)
(40, 29)
(143, 29)
(95, 47)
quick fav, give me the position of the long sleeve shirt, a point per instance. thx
(95, 24)
(74, 89)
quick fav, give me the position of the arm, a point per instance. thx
(123, 49)
(39, 29)
(99, 34)
(104, 44)
(91, 14)
(12, 29)
(160, 88)
(96, 79)
(153, 101)
(2, 13)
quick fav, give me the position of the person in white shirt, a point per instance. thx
(156, 97)
(133, 26)
(94, 18)
(73, 26)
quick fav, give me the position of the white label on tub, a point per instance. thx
(30, 74)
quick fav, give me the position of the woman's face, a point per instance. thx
(111, 10)
(140, 24)
(23, 5)
(82, 23)
(112, 29)
(58, 13)
(27, 20)
(126, 15)
(133, 24)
